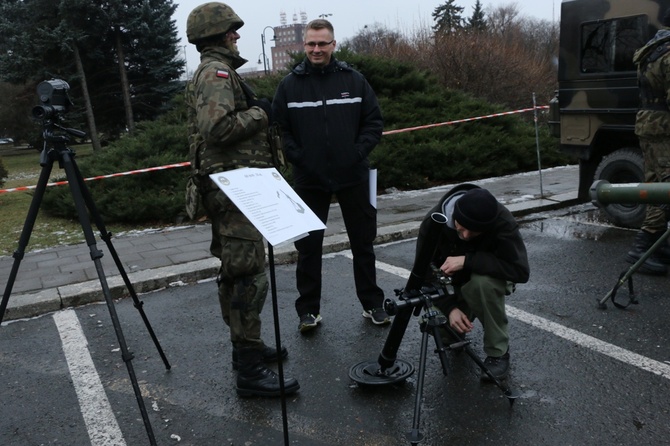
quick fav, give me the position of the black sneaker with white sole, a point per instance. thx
(378, 316)
(308, 322)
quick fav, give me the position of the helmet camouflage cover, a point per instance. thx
(211, 19)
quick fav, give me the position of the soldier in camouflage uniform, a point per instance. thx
(652, 126)
(228, 130)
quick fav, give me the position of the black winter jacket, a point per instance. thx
(331, 121)
(499, 253)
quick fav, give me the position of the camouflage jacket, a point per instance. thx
(653, 62)
(224, 132)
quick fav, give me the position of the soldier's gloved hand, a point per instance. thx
(265, 105)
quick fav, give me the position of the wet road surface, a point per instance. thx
(586, 376)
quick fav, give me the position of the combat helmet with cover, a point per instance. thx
(211, 19)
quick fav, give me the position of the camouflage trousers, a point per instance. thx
(656, 151)
(483, 297)
(242, 282)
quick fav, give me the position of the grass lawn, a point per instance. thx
(24, 170)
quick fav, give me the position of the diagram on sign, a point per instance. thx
(269, 202)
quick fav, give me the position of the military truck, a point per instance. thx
(594, 110)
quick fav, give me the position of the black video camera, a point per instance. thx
(54, 99)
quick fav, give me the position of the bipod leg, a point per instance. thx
(28, 225)
(96, 255)
(509, 393)
(415, 435)
(107, 238)
(627, 276)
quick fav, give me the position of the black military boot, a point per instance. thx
(254, 379)
(657, 261)
(269, 356)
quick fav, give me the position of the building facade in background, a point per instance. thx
(288, 39)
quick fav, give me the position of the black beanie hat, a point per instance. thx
(476, 210)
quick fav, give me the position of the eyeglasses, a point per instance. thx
(319, 44)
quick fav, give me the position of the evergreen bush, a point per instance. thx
(408, 97)
(452, 153)
(155, 196)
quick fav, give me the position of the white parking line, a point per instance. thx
(103, 429)
(584, 340)
(581, 339)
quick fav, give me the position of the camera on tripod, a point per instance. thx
(54, 99)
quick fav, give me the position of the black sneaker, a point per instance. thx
(499, 367)
(308, 322)
(378, 316)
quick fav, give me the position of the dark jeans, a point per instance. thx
(360, 219)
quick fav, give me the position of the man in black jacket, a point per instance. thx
(331, 121)
(479, 246)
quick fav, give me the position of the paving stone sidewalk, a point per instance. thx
(64, 276)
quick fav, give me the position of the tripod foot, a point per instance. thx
(414, 436)
(512, 395)
(370, 373)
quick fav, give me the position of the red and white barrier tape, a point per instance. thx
(100, 177)
(184, 164)
(410, 129)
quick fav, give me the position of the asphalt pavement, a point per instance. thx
(66, 276)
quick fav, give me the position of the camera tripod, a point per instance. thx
(388, 369)
(56, 149)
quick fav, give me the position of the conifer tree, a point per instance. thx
(110, 52)
(477, 21)
(448, 17)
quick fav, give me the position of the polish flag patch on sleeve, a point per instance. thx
(222, 73)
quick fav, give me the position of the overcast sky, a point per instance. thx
(348, 18)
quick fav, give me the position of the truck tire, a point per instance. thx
(623, 166)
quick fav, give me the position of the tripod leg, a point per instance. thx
(415, 436)
(439, 348)
(26, 232)
(96, 255)
(107, 238)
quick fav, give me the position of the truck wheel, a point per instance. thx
(623, 166)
